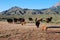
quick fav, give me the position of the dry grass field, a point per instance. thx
(29, 31)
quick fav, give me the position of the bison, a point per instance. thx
(37, 22)
(48, 19)
(30, 19)
(15, 20)
(10, 20)
(22, 21)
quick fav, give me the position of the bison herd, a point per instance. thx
(48, 19)
(37, 21)
(15, 20)
(22, 20)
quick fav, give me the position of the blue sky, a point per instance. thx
(31, 4)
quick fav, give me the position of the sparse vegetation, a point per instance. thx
(26, 32)
(55, 19)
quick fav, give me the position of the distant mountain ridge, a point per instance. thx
(20, 11)
(57, 4)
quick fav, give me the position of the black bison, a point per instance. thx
(48, 19)
(10, 20)
(22, 21)
(37, 22)
(30, 19)
(15, 20)
(39, 19)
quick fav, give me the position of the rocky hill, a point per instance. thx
(25, 12)
(20, 11)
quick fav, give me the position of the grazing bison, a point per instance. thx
(9, 20)
(41, 19)
(15, 20)
(37, 22)
(30, 19)
(22, 21)
(48, 19)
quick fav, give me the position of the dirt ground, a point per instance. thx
(11, 31)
